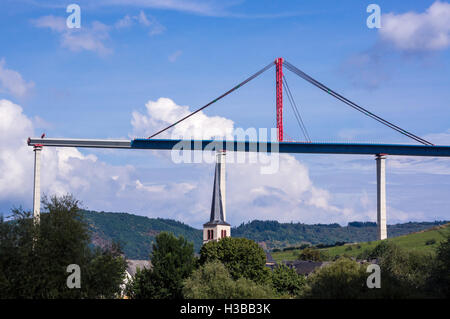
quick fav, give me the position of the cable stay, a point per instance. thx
(217, 99)
(354, 105)
(281, 82)
(297, 115)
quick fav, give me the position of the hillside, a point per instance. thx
(279, 235)
(424, 241)
(137, 233)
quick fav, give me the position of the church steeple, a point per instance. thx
(217, 227)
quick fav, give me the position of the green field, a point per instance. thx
(412, 242)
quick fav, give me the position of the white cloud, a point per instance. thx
(12, 82)
(148, 22)
(57, 24)
(210, 8)
(98, 184)
(164, 112)
(287, 195)
(77, 39)
(424, 165)
(427, 31)
(89, 39)
(439, 138)
(125, 22)
(174, 56)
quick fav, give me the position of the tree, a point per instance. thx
(105, 272)
(213, 281)
(241, 256)
(34, 257)
(404, 274)
(285, 280)
(343, 279)
(439, 282)
(140, 286)
(172, 261)
(310, 254)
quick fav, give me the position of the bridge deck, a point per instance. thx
(246, 146)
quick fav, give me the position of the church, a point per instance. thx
(217, 227)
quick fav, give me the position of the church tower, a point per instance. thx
(217, 227)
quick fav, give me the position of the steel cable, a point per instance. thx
(217, 99)
(306, 77)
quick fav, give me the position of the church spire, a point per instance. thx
(218, 208)
(217, 227)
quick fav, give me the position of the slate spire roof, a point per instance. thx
(217, 208)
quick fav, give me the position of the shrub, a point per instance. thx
(213, 281)
(310, 254)
(342, 279)
(285, 280)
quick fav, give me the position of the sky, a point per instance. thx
(136, 66)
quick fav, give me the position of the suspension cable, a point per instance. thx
(306, 77)
(295, 110)
(217, 99)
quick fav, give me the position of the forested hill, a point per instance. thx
(137, 233)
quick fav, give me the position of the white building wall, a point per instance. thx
(217, 232)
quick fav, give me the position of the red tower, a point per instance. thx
(279, 82)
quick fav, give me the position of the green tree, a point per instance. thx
(439, 282)
(105, 272)
(172, 261)
(310, 254)
(343, 279)
(34, 257)
(285, 280)
(140, 286)
(213, 281)
(403, 274)
(241, 256)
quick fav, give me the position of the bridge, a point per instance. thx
(380, 151)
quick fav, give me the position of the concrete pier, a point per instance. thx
(37, 184)
(381, 196)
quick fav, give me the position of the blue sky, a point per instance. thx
(87, 83)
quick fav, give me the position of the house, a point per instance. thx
(270, 262)
(132, 267)
(305, 267)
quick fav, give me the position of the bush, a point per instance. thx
(213, 281)
(310, 254)
(343, 279)
(285, 280)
